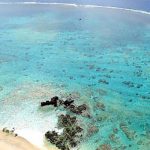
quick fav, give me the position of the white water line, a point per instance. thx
(75, 5)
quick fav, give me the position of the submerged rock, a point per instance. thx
(102, 117)
(103, 81)
(100, 106)
(78, 109)
(128, 83)
(104, 147)
(92, 130)
(129, 134)
(115, 130)
(113, 138)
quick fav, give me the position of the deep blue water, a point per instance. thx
(101, 60)
(134, 4)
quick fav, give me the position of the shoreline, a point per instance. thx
(11, 142)
(77, 5)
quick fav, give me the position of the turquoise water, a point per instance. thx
(104, 57)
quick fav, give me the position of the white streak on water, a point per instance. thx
(75, 5)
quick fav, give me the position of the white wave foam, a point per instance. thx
(75, 5)
(39, 3)
(118, 8)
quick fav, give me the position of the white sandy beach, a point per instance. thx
(10, 142)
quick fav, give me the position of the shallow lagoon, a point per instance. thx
(98, 55)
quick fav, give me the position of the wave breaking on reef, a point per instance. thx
(76, 5)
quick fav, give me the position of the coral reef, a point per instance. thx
(129, 134)
(104, 147)
(71, 135)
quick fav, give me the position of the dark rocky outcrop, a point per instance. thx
(12, 131)
(72, 132)
(54, 102)
(71, 135)
(67, 104)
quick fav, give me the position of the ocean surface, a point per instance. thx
(101, 56)
(132, 4)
